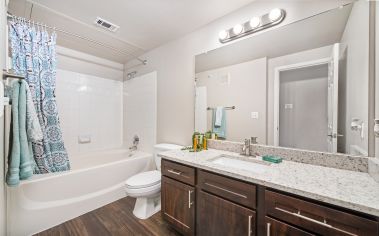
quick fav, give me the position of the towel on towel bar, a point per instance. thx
(20, 159)
(219, 130)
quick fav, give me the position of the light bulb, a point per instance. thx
(237, 29)
(255, 22)
(275, 14)
(223, 34)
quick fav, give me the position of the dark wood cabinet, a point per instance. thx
(228, 206)
(178, 205)
(277, 228)
(317, 218)
(216, 216)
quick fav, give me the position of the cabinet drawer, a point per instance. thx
(233, 190)
(179, 172)
(317, 218)
(277, 228)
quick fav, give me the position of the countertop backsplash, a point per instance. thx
(333, 160)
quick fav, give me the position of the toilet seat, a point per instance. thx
(144, 180)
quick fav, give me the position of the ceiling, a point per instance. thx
(314, 32)
(144, 24)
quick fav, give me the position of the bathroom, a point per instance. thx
(256, 117)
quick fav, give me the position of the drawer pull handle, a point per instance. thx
(268, 229)
(174, 172)
(226, 190)
(189, 198)
(298, 214)
(249, 231)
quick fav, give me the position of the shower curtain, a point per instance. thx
(33, 55)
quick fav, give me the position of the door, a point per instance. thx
(277, 228)
(216, 216)
(178, 205)
(333, 99)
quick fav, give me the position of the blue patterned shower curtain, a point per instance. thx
(33, 55)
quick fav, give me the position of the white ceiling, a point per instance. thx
(144, 24)
(314, 32)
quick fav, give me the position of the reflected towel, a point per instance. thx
(219, 116)
(219, 130)
(20, 161)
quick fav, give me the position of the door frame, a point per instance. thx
(277, 71)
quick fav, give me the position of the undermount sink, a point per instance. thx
(242, 163)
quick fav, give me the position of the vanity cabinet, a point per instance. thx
(178, 197)
(199, 202)
(217, 216)
(317, 218)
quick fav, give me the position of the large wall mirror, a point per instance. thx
(301, 85)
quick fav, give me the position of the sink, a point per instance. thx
(242, 163)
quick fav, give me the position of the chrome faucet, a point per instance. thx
(246, 148)
(134, 147)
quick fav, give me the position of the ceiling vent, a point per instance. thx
(106, 24)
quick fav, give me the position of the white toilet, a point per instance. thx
(146, 186)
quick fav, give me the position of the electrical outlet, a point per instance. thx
(254, 115)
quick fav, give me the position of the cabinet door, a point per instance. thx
(178, 205)
(216, 216)
(277, 228)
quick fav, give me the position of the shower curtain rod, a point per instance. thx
(11, 16)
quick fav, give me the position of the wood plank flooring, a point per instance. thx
(113, 219)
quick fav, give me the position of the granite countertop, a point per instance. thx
(349, 189)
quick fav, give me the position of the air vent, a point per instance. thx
(106, 24)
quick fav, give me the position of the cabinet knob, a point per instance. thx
(268, 229)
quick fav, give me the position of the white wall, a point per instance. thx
(241, 85)
(174, 63)
(140, 111)
(356, 37)
(89, 105)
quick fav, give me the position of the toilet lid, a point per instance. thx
(144, 179)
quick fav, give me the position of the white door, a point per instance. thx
(333, 99)
(201, 109)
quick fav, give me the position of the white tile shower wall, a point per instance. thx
(140, 111)
(89, 106)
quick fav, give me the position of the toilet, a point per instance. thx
(146, 186)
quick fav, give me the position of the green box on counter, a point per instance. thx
(272, 159)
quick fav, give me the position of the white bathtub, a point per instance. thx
(94, 181)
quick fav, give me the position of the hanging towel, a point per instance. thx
(33, 128)
(219, 130)
(219, 116)
(20, 161)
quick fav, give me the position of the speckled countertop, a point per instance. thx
(348, 189)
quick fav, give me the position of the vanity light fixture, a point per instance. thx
(255, 24)
(275, 14)
(223, 34)
(237, 29)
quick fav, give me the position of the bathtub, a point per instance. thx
(51, 199)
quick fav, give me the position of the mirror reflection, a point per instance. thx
(302, 85)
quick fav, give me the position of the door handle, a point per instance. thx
(174, 172)
(335, 135)
(268, 229)
(249, 226)
(189, 199)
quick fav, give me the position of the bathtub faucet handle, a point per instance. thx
(135, 143)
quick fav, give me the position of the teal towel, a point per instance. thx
(20, 163)
(219, 130)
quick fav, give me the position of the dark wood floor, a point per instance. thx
(113, 219)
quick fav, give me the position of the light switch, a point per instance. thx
(288, 106)
(254, 115)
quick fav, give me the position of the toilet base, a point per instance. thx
(147, 206)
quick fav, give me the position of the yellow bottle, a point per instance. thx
(195, 144)
(205, 143)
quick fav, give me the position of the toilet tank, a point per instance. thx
(162, 147)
